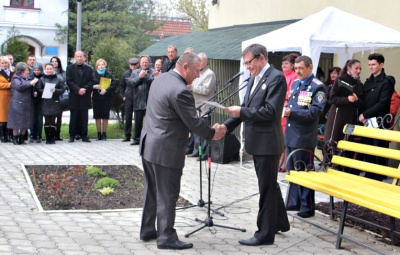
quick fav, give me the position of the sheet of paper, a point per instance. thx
(372, 123)
(46, 92)
(215, 104)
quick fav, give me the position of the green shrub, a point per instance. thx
(106, 182)
(94, 171)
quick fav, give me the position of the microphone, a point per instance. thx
(247, 80)
(234, 77)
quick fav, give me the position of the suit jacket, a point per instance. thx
(77, 79)
(170, 115)
(261, 112)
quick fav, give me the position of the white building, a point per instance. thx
(35, 20)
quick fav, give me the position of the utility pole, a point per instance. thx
(78, 25)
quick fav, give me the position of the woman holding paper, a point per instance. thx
(102, 93)
(347, 99)
(21, 104)
(50, 86)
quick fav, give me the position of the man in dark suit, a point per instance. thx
(261, 112)
(378, 90)
(170, 114)
(306, 103)
(80, 81)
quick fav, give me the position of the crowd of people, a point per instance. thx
(281, 111)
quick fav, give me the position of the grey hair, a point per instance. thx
(21, 67)
(188, 57)
(203, 55)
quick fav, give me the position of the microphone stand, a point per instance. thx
(208, 221)
(201, 202)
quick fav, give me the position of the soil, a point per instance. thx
(79, 192)
(365, 214)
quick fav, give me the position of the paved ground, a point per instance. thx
(26, 230)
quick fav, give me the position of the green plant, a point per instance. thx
(16, 46)
(94, 171)
(62, 186)
(106, 182)
(106, 191)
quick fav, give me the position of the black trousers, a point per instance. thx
(272, 214)
(58, 124)
(139, 117)
(128, 117)
(37, 120)
(78, 123)
(161, 192)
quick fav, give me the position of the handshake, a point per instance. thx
(220, 131)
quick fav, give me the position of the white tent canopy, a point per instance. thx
(330, 31)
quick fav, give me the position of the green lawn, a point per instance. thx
(113, 132)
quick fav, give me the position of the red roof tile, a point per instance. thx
(172, 27)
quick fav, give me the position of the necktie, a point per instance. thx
(256, 80)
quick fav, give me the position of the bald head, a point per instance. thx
(188, 65)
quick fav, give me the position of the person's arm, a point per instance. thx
(59, 89)
(134, 80)
(73, 87)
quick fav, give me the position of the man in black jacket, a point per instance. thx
(378, 90)
(169, 64)
(126, 93)
(140, 82)
(80, 81)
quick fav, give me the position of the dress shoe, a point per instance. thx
(86, 140)
(71, 140)
(188, 151)
(175, 245)
(203, 157)
(135, 143)
(293, 208)
(252, 242)
(126, 139)
(305, 214)
(149, 237)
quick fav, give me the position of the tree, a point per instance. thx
(16, 46)
(129, 20)
(196, 10)
(115, 52)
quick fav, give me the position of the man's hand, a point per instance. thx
(220, 131)
(143, 73)
(82, 91)
(233, 111)
(362, 119)
(287, 112)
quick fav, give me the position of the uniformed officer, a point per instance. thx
(306, 103)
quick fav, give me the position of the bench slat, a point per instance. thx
(382, 134)
(366, 166)
(339, 192)
(369, 149)
(352, 185)
(367, 181)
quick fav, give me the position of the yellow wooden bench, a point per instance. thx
(378, 196)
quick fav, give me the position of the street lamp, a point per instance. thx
(78, 25)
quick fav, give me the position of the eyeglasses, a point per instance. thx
(249, 62)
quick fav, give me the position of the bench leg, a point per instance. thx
(341, 225)
(331, 207)
(392, 229)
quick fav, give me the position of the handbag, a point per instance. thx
(64, 98)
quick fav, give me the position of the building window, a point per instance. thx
(22, 3)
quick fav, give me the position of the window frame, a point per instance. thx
(22, 6)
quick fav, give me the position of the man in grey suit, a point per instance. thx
(171, 113)
(262, 111)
